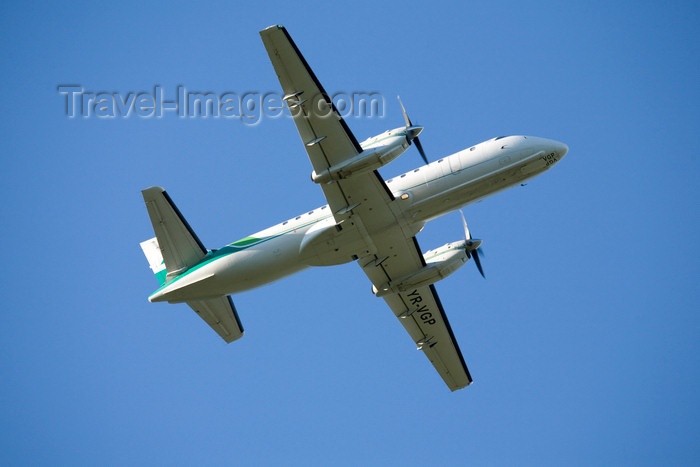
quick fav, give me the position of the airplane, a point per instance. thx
(367, 220)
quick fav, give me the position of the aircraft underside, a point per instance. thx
(367, 219)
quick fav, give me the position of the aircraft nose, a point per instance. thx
(560, 148)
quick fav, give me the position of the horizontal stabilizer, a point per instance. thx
(220, 314)
(180, 247)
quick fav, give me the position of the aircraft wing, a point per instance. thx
(326, 136)
(327, 139)
(419, 310)
(364, 203)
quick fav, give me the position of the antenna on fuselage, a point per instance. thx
(412, 132)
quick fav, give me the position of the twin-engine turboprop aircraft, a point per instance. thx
(366, 220)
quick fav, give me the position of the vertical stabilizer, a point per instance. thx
(178, 245)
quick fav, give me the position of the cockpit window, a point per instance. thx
(500, 137)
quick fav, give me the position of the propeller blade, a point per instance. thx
(419, 146)
(405, 115)
(412, 132)
(475, 255)
(467, 235)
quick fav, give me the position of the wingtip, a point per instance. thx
(274, 26)
(457, 388)
(152, 192)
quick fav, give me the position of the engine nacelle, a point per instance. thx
(440, 263)
(368, 160)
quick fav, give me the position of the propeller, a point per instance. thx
(472, 246)
(412, 132)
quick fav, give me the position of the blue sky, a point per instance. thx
(582, 341)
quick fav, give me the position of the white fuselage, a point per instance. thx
(422, 194)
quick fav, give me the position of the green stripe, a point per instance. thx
(160, 275)
(245, 241)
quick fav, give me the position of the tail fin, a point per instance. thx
(176, 242)
(174, 250)
(155, 258)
